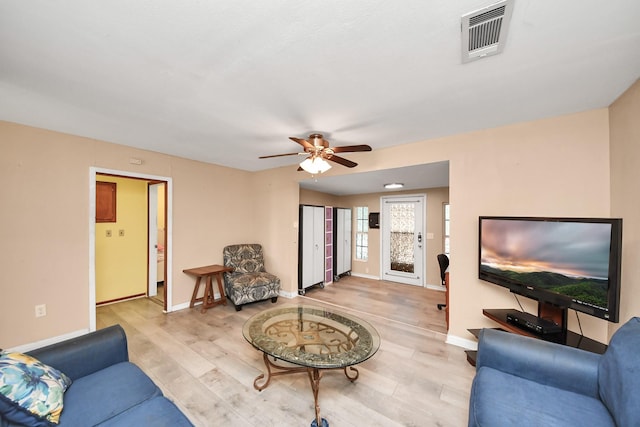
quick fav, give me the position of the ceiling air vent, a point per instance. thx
(484, 31)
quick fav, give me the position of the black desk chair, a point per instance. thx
(443, 261)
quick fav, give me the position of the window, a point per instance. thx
(362, 232)
(447, 220)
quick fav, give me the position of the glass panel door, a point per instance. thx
(402, 239)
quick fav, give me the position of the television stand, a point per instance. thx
(564, 337)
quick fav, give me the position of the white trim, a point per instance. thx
(289, 295)
(184, 306)
(461, 342)
(43, 343)
(93, 171)
(366, 276)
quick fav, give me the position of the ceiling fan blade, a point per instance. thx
(303, 142)
(342, 161)
(281, 155)
(351, 148)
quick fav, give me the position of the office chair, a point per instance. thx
(443, 261)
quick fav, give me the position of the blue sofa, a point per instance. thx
(106, 389)
(528, 382)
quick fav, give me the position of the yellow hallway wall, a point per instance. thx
(121, 261)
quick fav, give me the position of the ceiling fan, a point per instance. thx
(318, 151)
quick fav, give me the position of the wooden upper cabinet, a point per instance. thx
(105, 201)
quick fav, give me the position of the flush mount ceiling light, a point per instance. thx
(315, 165)
(393, 185)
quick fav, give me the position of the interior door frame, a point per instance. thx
(152, 241)
(421, 275)
(93, 172)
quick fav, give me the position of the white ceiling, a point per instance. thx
(227, 81)
(432, 175)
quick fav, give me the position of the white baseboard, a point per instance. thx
(183, 306)
(366, 276)
(289, 295)
(32, 346)
(461, 342)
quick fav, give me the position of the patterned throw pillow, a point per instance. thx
(31, 392)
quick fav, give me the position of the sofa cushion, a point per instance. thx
(501, 399)
(156, 412)
(105, 394)
(619, 374)
(31, 392)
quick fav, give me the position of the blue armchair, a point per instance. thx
(528, 382)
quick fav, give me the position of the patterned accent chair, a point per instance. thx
(249, 282)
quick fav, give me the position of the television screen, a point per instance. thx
(568, 262)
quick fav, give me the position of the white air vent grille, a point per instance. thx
(484, 31)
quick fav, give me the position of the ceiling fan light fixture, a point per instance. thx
(393, 185)
(315, 165)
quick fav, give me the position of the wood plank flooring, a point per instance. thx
(202, 362)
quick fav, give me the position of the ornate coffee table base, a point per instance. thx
(315, 375)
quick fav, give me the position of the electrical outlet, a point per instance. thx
(108, 233)
(41, 310)
(121, 233)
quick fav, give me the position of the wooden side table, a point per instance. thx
(208, 272)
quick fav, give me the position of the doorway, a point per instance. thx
(156, 196)
(403, 241)
(94, 172)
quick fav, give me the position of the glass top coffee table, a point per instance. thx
(315, 339)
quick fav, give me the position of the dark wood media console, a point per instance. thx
(565, 337)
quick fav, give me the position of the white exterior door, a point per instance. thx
(403, 241)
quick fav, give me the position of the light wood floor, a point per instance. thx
(202, 362)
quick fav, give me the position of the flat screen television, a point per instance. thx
(570, 263)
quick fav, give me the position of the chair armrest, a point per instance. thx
(86, 354)
(541, 361)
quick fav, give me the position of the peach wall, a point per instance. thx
(310, 197)
(276, 199)
(625, 177)
(44, 224)
(553, 167)
(558, 166)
